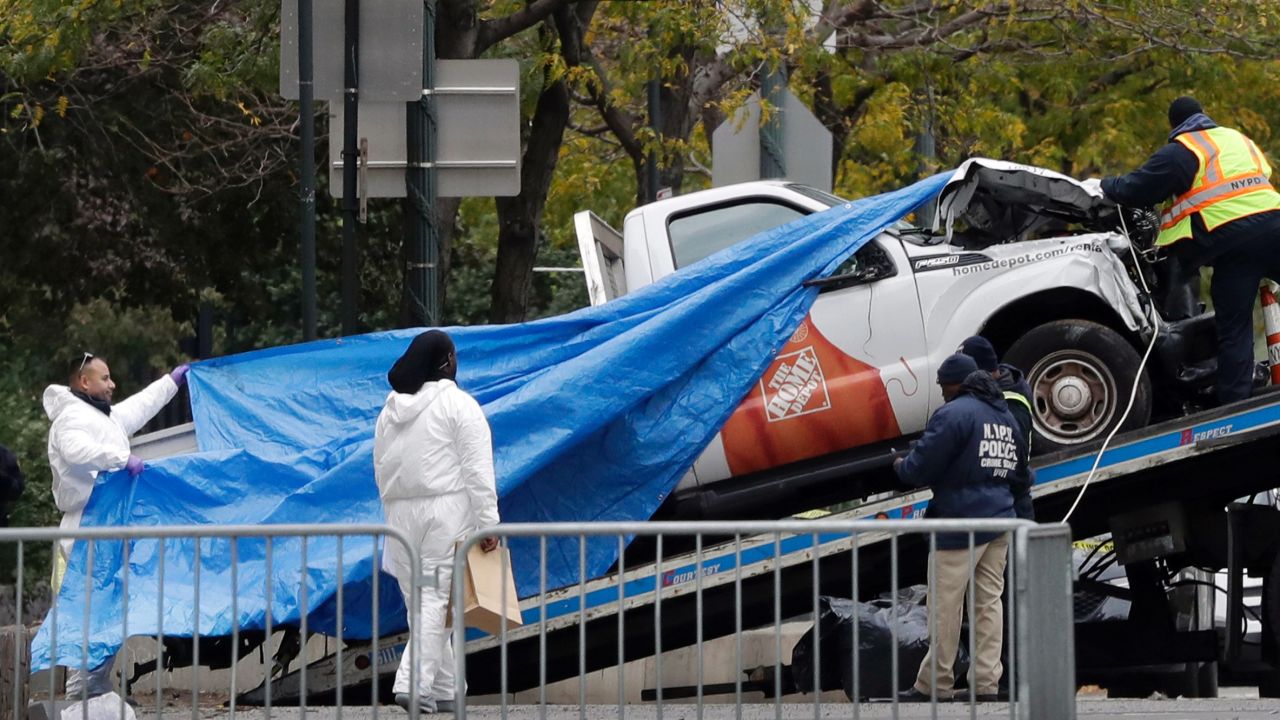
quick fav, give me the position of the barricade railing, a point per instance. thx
(682, 586)
(126, 567)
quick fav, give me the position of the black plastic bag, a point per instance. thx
(877, 623)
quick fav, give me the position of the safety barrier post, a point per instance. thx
(1045, 657)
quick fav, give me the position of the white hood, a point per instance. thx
(57, 398)
(400, 408)
(1038, 189)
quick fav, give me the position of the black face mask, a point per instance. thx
(103, 406)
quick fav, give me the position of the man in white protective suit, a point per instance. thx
(89, 436)
(433, 461)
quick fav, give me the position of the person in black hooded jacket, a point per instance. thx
(967, 455)
(12, 483)
(1241, 250)
(1017, 395)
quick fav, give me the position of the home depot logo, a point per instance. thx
(794, 385)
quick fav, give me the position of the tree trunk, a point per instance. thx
(520, 217)
(832, 119)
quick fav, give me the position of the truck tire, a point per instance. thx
(1081, 374)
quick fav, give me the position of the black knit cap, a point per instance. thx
(955, 369)
(1183, 108)
(979, 348)
(423, 361)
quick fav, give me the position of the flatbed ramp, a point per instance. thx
(1210, 458)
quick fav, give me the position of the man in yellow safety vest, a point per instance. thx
(1220, 210)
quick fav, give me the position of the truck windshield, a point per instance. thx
(705, 231)
(700, 234)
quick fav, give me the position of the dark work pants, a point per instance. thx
(1236, 276)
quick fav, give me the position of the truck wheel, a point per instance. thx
(1081, 374)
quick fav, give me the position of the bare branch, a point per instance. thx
(498, 29)
(620, 122)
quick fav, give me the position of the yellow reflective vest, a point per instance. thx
(1011, 397)
(1232, 182)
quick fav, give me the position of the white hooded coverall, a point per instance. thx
(433, 462)
(83, 442)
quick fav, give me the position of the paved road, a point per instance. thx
(1089, 709)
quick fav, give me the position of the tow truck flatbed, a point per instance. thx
(1209, 458)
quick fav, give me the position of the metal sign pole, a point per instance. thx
(773, 162)
(350, 159)
(306, 94)
(421, 297)
(652, 179)
(431, 229)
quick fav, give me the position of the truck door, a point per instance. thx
(602, 250)
(854, 372)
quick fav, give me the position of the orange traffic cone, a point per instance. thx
(1271, 324)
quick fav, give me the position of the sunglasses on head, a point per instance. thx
(86, 359)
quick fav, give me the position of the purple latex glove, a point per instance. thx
(134, 465)
(179, 374)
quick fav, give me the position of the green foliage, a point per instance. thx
(24, 430)
(238, 52)
(137, 342)
(151, 168)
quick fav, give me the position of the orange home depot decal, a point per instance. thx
(812, 399)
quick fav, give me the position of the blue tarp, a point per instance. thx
(595, 414)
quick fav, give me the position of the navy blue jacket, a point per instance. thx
(12, 483)
(969, 454)
(1168, 173)
(1010, 379)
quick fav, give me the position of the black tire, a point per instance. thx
(1081, 374)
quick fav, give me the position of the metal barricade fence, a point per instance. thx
(225, 554)
(689, 584)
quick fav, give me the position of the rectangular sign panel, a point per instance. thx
(390, 65)
(477, 141)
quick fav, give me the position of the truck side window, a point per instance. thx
(702, 233)
(869, 264)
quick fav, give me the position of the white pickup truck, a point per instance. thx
(1034, 260)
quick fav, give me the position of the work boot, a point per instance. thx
(402, 699)
(444, 706)
(914, 696)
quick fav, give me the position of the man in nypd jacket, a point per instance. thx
(968, 454)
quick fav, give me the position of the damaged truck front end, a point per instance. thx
(1082, 363)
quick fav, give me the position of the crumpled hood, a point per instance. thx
(1014, 184)
(981, 385)
(57, 398)
(401, 408)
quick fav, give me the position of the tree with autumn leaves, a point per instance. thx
(150, 166)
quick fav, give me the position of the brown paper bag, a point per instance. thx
(482, 591)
